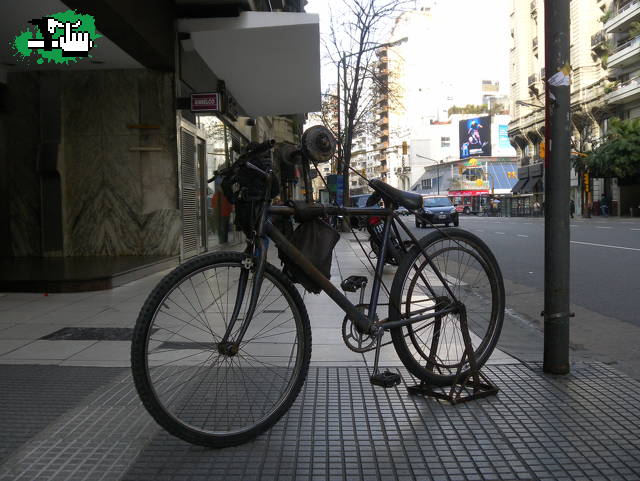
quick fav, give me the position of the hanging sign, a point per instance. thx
(205, 102)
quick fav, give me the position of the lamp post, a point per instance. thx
(342, 165)
(437, 163)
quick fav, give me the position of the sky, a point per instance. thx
(477, 32)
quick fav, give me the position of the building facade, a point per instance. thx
(605, 61)
(103, 162)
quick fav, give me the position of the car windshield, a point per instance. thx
(437, 202)
(361, 201)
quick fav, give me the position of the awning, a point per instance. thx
(519, 185)
(502, 177)
(531, 185)
(270, 62)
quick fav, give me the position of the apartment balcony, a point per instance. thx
(623, 17)
(598, 42)
(384, 132)
(402, 170)
(626, 92)
(383, 144)
(383, 122)
(533, 9)
(626, 54)
(534, 44)
(532, 80)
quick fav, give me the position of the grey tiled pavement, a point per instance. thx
(68, 410)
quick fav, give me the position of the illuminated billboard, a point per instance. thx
(475, 137)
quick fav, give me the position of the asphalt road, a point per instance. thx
(605, 258)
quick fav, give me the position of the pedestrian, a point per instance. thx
(536, 208)
(604, 205)
(222, 211)
(572, 207)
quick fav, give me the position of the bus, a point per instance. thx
(469, 201)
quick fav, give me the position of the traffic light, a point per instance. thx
(585, 181)
(405, 147)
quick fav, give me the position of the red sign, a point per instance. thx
(467, 192)
(209, 102)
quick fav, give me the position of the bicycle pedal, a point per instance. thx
(353, 283)
(386, 379)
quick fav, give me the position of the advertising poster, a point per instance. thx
(475, 137)
(503, 134)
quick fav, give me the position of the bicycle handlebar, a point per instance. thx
(244, 159)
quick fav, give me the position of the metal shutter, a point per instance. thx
(189, 194)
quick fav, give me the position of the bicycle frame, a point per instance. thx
(258, 248)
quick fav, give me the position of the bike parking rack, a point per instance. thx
(475, 385)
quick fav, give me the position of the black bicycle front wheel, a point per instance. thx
(192, 386)
(432, 349)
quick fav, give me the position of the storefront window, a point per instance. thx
(223, 147)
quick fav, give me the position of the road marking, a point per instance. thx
(598, 227)
(635, 229)
(499, 232)
(522, 235)
(604, 245)
(528, 223)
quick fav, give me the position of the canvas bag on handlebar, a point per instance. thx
(244, 188)
(316, 240)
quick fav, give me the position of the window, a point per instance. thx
(426, 184)
(445, 141)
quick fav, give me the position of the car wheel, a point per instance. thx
(466, 211)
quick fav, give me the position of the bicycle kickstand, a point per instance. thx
(387, 378)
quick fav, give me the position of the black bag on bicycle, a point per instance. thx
(244, 188)
(315, 239)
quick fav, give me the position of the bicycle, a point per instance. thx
(222, 345)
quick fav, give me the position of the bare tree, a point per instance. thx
(354, 37)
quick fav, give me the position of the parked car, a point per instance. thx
(402, 211)
(360, 201)
(438, 210)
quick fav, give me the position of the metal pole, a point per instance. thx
(556, 206)
(339, 161)
(347, 114)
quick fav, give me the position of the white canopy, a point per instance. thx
(269, 61)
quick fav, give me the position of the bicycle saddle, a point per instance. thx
(410, 200)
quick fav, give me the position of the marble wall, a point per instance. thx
(119, 201)
(115, 200)
(20, 165)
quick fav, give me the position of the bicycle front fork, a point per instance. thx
(255, 262)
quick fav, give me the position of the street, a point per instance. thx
(605, 257)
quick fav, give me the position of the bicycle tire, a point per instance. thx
(192, 412)
(424, 356)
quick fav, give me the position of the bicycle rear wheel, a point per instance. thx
(198, 391)
(432, 350)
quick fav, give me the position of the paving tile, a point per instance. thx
(12, 344)
(103, 351)
(29, 331)
(47, 350)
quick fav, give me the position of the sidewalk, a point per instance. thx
(69, 410)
